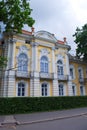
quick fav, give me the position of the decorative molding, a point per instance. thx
(45, 35)
(44, 52)
(12, 40)
(23, 49)
(35, 44)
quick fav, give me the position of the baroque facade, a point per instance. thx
(40, 65)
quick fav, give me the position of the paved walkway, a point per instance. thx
(20, 119)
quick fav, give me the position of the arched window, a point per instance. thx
(21, 89)
(44, 89)
(44, 64)
(59, 67)
(61, 90)
(22, 62)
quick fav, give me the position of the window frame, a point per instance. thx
(60, 68)
(44, 65)
(22, 68)
(45, 89)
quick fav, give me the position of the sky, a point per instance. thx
(59, 17)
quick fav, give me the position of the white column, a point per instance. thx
(34, 57)
(11, 53)
(55, 87)
(55, 80)
(69, 77)
(11, 84)
(35, 81)
(67, 64)
(53, 60)
(9, 76)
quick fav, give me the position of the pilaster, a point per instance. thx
(55, 87)
(35, 85)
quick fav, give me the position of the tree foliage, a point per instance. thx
(3, 62)
(81, 41)
(15, 13)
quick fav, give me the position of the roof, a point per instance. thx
(61, 42)
(26, 32)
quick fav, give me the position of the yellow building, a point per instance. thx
(78, 73)
(39, 65)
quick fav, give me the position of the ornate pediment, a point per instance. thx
(45, 35)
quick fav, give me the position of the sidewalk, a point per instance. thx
(21, 119)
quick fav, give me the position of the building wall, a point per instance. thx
(34, 82)
(76, 79)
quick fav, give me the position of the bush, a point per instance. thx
(37, 104)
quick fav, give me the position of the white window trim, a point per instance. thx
(61, 66)
(72, 67)
(83, 90)
(64, 89)
(48, 89)
(48, 63)
(80, 68)
(75, 90)
(26, 88)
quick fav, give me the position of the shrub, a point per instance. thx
(37, 104)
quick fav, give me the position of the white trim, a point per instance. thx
(83, 90)
(75, 89)
(72, 67)
(53, 61)
(48, 89)
(80, 68)
(26, 88)
(48, 63)
(64, 89)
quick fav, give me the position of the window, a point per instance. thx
(73, 90)
(22, 62)
(80, 73)
(59, 67)
(71, 73)
(44, 89)
(21, 89)
(44, 64)
(61, 90)
(81, 90)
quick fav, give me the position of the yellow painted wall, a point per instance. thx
(76, 80)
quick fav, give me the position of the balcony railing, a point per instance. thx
(46, 75)
(21, 74)
(81, 80)
(63, 77)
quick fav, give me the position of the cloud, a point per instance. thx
(59, 17)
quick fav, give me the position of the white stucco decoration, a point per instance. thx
(45, 35)
(44, 52)
(23, 49)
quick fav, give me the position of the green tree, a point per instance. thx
(81, 41)
(3, 62)
(14, 14)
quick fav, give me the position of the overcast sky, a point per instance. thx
(60, 17)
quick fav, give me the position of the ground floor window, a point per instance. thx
(21, 89)
(44, 89)
(81, 90)
(73, 90)
(61, 90)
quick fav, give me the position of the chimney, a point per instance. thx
(32, 30)
(64, 39)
